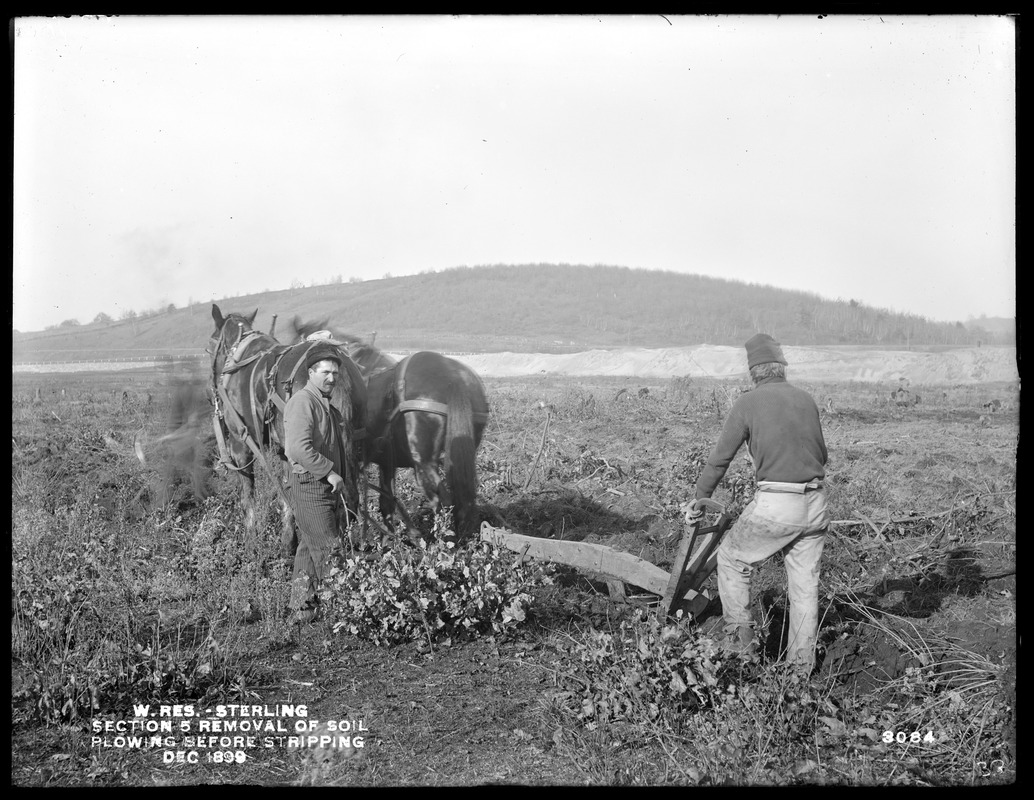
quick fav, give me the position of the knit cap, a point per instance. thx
(321, 352)
(763, 349)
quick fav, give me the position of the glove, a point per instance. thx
(692, 512)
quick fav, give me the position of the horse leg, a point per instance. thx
(364, 505)
(386, 499)
(346, 513)
(350, 503)
(247, 496)
(426, 439)
(435, 489)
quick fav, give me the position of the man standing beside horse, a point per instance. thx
(780, 424)
(315, 451)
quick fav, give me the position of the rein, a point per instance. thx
(224, 407)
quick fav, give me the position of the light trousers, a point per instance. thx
(780, 518)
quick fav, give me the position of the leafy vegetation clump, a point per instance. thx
(85, 684)
(80, 644)
(645, 670)
(435, 591)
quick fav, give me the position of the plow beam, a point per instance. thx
(618, 568)
(585, 557)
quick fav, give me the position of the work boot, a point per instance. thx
(739, 640)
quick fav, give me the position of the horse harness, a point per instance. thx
(420, 404)
(223, 406)
(275, 402)
(398, 393)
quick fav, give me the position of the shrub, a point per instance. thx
(645, 670)
(435, 591)
(111, 678)
(81, 642)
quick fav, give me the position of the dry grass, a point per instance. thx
(916, 611)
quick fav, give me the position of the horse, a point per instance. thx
(253, 376)
(427, 412)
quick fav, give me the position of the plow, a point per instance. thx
(681, 589)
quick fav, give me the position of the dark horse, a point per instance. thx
(427, 412)
(253, 376)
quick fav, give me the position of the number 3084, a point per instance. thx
(903, 737)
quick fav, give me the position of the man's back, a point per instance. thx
(786, 440)
(781, 426)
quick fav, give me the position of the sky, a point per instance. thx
(180, 159)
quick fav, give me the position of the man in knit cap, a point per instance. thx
(314, 448)
(780, 424)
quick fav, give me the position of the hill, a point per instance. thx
(529, 308)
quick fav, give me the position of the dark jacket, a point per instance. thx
(312, 429)
(780, 424)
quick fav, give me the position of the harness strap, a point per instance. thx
(245, 436)
(224, 407)
(242, 434)
(420, 404)
(274, 373)
(357, 432)
(434, 408)
(289, 381)
(234, 365)
(229, 369)
(224, 455)
(258, 413)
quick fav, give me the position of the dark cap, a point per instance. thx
(322, 353)
(763, 349)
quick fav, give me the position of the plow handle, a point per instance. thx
(684, 574)
(714, 505)
(719, 508)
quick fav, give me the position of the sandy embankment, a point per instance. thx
(964, 365)
(949, 367)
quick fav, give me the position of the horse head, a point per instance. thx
(229, 331)
(237, 323)
(303, 329)
(244, 321)
(370, 359)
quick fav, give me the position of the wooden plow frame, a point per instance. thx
(695, 560)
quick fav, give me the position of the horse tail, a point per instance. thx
(460, 456)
